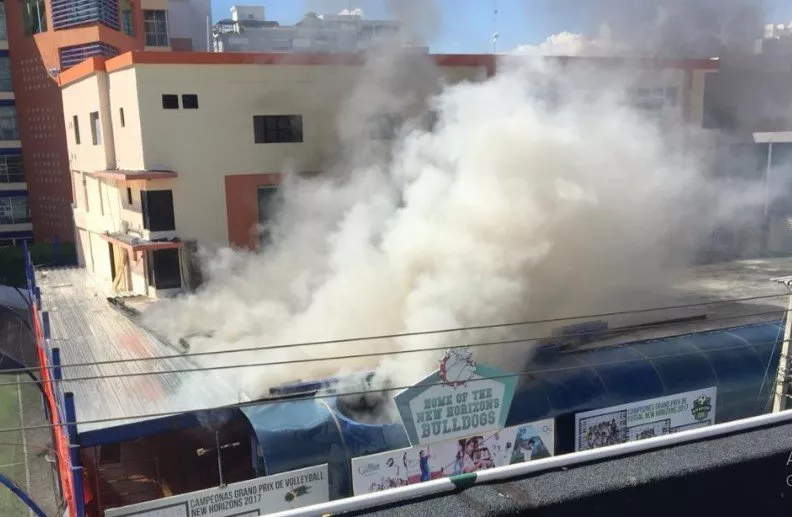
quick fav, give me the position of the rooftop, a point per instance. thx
(98, 64)
(88, 329)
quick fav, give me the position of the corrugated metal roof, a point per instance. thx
(88, 329)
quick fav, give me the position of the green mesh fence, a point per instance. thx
(24, 456)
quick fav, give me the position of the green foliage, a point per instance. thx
(12, 262)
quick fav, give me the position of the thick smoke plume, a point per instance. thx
(540, 192)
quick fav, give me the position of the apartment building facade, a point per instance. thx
(248, 30)
(167, 149)
(41, 40)
(15, 220)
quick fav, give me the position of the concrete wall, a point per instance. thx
(128, 139)
(208, 145)
(81, 99)
(203, 146)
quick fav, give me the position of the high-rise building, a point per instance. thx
(249, 31)
(41, 39)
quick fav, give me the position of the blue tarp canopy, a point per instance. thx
(741, 362)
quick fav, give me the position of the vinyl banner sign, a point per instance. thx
(453, 457)
(460, 399)
(260, 496)
(645, 419)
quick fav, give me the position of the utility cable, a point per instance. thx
(324, 395)
(330, 358)
(442, 331)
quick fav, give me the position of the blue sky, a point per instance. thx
(467, 25)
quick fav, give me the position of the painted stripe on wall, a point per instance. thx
(28, 234)
(13, 193)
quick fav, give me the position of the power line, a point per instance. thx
(339, 358)
(438, 331)
(292, 398)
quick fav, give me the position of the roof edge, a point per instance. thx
(84, 69)
(98, 64)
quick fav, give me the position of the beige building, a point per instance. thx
(170, 148)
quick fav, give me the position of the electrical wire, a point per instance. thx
(325, 395)
(338, 358)
(442, 331)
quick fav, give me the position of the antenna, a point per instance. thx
(494, 26)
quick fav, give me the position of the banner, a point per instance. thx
(453, 457)
(260, 496)
(458, 400)
(645, 419)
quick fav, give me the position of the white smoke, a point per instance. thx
(576, 44)
(539, 193)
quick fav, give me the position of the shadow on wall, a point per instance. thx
(12, 262)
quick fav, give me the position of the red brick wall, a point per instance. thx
(40, 119)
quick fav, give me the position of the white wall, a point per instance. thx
(188, 19)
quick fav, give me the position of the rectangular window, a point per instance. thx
(270, 129)
(8, 123)
(433, 119)
(170, 101)
(386, 127)
(157, 207)
(14, 210)
(76, 124)
(96, 128)
(127, 18)
(189, 101)
(34, 16)
(121, 116)
(85, 191)
(101, 198)
(11, 170)
(266, 198)
(671, 96)
(156, 28)
(129, 196)
(5, 74)
(164, 269)
(3, 33)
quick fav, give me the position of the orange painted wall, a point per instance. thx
(242, 206)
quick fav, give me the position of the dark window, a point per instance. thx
(170, 101)
(164, 269)
(11, 170)
(8, 123)
(127, 18)
(110, 453)
(157, 207)
(5, 74)
(121, 115)
(96, 128)
(270, 129)
(76, 124)
(14, 210)
(34, 16)
(434, 119)
(266, 199)
(387, 127)
(155, 24)
(129, 196)
(190, 101)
